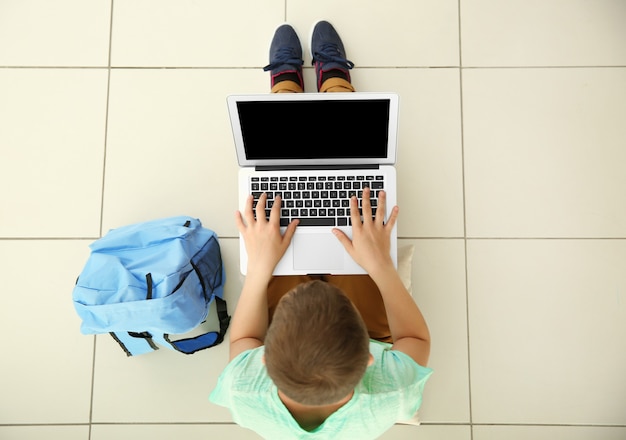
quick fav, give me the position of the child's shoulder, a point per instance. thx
(394, 364)
(246, 366)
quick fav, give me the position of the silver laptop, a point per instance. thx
(316, 151)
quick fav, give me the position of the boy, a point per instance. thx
(314, 372)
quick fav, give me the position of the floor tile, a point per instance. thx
(536, 33)
(42, 431)
(439, 296)
(188, 119)
(439, 290)
(548, 432)
(52, 147)
(164, 386)
(430, 187)
(59, 33)
(47, 362)
(167, 432)
(405, 33)
(427, 432)
(188, 33)
(192, 432)
(170, 149)
(547, 325)
(544, 152)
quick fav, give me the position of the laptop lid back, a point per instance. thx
(304, 129)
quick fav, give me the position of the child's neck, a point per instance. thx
(310, 417)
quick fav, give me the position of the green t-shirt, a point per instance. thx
(390, 391)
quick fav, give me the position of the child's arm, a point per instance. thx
(408, 328)
(265, 247)
(369, 247)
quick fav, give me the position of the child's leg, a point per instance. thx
(329, 56)
(285, 61)
(336, 85)
(287, 86)
(278, 286)
(366, 297)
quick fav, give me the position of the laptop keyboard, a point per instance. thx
(321, 200)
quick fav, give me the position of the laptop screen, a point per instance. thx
(319, 129)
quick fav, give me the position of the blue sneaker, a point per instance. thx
(285, 57)
(329, 55)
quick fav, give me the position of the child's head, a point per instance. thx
(317, 346)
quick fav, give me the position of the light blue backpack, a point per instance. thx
(144, 283)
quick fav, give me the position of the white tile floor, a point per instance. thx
(512, 154)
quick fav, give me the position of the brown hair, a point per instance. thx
(317, 346)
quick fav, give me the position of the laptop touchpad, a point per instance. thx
(317, 252)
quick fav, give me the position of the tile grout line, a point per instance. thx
(93, 377)
(467, 315)
(104, 157)
(230, 423)
(417, 67)
(106, 122)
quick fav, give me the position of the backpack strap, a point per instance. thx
(134, 343)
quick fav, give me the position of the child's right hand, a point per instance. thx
(265, 245)
(370, 244)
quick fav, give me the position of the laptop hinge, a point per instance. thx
(315, 167)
